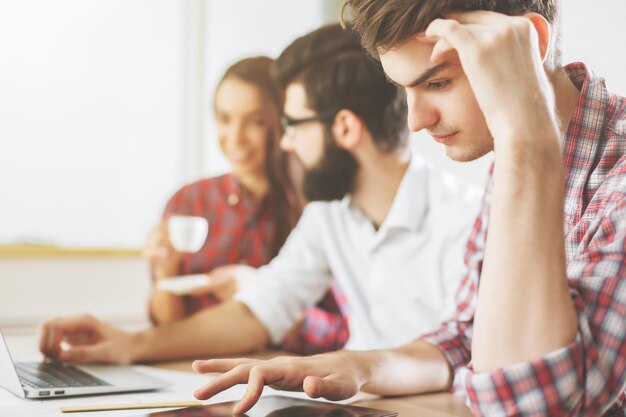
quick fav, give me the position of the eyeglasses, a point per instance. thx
(289, 124)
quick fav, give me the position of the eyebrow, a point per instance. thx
(424, 76)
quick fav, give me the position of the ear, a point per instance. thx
(347, 129)
(543, 28)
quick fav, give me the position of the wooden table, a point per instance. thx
(426, 405)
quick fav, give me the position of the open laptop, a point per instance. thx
(43, 380)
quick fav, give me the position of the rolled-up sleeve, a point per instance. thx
(453, 338)
(296, 279)
(551, 385)
(586, 377)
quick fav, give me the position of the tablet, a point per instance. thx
(278, 406)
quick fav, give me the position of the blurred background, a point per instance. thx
(106, 109)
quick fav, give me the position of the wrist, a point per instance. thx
(366, 364)
(521, 134)
(529, 157)
(139, 345)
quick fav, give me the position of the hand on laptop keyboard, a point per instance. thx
(89, 340)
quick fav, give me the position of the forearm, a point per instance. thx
(524, 309)
(414, 368)
(228, 328)
(166, 308)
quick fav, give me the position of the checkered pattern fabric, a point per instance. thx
(588, 376)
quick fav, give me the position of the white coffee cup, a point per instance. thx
(187, 233)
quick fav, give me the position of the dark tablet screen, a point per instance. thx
(277, 406)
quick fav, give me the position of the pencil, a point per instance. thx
(80, 408)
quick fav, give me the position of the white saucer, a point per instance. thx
(183, 284)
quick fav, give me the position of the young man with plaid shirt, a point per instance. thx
(540, 323)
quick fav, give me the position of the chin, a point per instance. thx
(250, 164)
(244, 171)
(465, 155)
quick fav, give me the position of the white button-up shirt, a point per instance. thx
(399, 281)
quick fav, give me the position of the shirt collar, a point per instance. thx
(406, 211)
(584, 132)
(236, 195)
(589, 119)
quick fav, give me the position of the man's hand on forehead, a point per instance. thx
(502, 57)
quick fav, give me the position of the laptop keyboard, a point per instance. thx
(54, 375)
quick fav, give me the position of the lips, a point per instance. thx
(445, 138)
(241, 157)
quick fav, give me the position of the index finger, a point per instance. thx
(50, 341)
(258, 377)
(220, 365)
(237, 375)
(477, 17)
(54, 331)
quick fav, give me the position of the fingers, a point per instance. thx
(157, 244)
(479, 17)
(256, 383)
(464, 43)
(332, 387)
(256, 373)
(85, 354)
(55, 331)
(237, 375)
(282, 376)
(219, 365)
(280, 373)
(50, 341)
(443, 52)
(452, 31)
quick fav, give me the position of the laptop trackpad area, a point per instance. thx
(123, 376)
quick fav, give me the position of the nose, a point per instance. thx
(421, 113)
(235, 135)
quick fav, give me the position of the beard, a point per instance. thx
(333, 176)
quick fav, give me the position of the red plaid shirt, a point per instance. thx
(241, 232)
(588, 376)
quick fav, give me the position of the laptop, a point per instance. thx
(45, 380)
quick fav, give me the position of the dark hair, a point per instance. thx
(337, 74)
(383, 24)
(284, 202)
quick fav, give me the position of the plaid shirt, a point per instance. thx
(241, 232)
(588, 376)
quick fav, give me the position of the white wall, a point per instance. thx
(90, 118)
(593, 32)
(35, 289)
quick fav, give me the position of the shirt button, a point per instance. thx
(233, 199)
